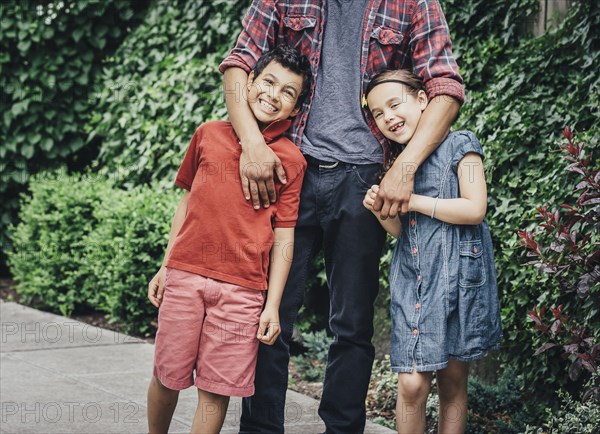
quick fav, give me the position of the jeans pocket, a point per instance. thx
(471, 269)
(366, 175)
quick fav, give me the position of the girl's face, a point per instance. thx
(396, 110)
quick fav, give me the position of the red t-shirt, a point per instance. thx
(222, 236)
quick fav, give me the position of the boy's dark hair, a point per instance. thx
(413, 84)
(291, 58)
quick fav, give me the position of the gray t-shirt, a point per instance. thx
(336, 129)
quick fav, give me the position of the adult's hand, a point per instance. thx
(395, 190)
(258, 162)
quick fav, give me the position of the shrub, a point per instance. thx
(84, 244)
(566, 247)
(311, 365)
(130, 242)
(50, 257)
(573, 416)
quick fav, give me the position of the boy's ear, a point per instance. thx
(295, 111)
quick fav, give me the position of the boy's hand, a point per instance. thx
(370, 197)
(257, 164)
(268, 326)
(156, 287)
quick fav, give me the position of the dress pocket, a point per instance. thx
(471, 269)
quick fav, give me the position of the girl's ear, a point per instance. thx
(422, 99)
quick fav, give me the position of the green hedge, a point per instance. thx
(545, 84)
(49, 56)
(82, 244)
(166, 71)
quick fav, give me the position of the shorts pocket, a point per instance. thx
(471, 269)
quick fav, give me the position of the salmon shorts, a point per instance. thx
(207, 326)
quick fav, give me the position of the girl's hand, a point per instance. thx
(268, 326)
(156, 287)
(370, 196)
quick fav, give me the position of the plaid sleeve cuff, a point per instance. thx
(445, 86)
(234, 60)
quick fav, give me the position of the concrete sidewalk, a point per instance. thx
(58, 375)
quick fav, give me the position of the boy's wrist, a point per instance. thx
(272, 304)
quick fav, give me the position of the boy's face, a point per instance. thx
(396, 110)
(272, 95)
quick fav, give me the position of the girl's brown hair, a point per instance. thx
(413, 84)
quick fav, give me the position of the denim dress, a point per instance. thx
(444, 301)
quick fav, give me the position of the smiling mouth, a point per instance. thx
(397, 127)
(269, 107)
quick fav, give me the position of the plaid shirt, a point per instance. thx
(410, 34)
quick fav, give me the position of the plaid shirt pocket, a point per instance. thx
(299, 31)
(386, 50)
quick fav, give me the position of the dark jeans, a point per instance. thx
(331, 217)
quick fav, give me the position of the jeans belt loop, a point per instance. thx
(329, 166)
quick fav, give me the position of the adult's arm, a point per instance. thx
(397, 184)
(257, 161)
(431, 51)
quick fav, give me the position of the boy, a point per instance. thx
(215, 269)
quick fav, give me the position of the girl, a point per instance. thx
(444, 303)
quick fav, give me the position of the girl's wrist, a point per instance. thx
(414, 203)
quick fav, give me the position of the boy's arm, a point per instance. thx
(432, 59)
(392, 226)
(257, 160)
(156, 285)
(282, 254)
(470, 208)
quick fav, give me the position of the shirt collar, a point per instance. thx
(275, 129)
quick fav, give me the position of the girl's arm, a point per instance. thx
(282, 254)
(156, 285)
(392, 225)
(470, 208)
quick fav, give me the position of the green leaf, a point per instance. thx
(27, 150)
(77, 34)
(47, 144)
